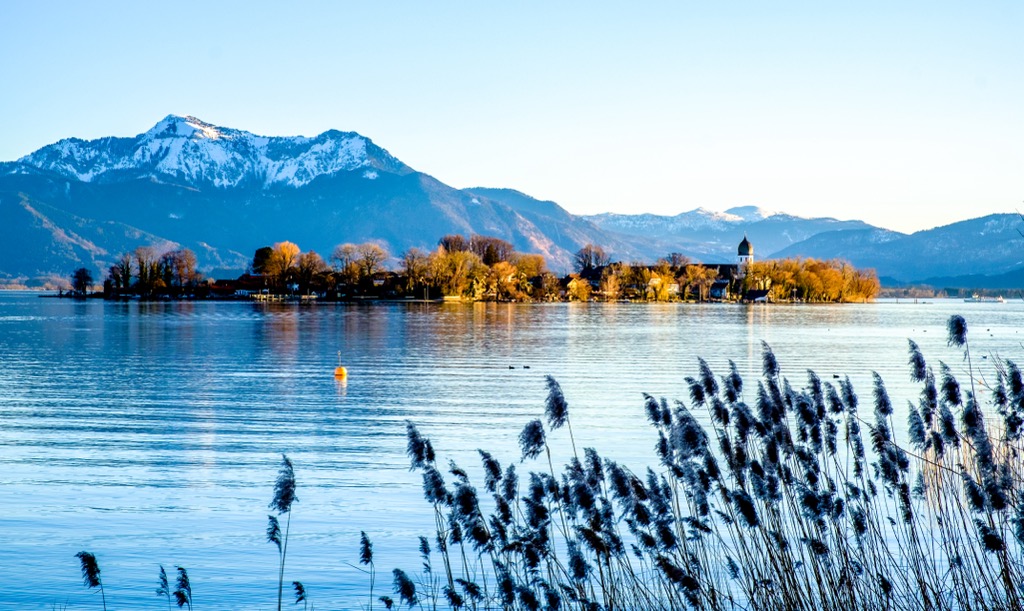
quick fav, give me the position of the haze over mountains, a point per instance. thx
(224, 193)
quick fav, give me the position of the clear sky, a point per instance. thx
(907, 115)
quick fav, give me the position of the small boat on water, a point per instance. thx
(976, 298)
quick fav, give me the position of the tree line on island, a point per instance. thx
(478, 268)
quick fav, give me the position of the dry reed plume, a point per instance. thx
(775, 497)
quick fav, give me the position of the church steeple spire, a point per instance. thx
(745, 252)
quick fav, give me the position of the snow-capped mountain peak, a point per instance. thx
(200, 154)
(750, 214)
(704, 216)
(173, 126)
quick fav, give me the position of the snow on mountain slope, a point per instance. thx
(751, 213)
(186, 148)
(700, 218)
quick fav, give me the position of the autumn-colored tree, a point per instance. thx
(858, 285)
(831, 282)
(529, 265)
(785, 275)
(658, 286)
(662, 267)
(503, 282)
(611, 287)
(578, 288)
(547, 287)
(808, 286)
(757, 276)
(698, 278)
(811, 280)
(451, 272)
(867, 286)
(478, 276)
(633, 279)
(281, 263)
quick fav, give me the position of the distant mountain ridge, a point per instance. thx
(225, 192)
(713, 235)
(979, 248)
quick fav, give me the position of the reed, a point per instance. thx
(183, 589)
(785, 496)
(91, 574)
(301, 596)
(163, 587)
(366, 559)
(284, 497)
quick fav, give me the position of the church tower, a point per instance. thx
(745, 252)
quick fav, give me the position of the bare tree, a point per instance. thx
(309, 266)
(491, 250)
(415, 265)
(180, 266)
(343, 258)
(589, 257)
(144, 257)
(678, 261)
(454, 242)
(343, 254)
(370, 259)
(548, 288)
(123, 270)
(81, 280)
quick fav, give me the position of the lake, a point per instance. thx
(151, 433)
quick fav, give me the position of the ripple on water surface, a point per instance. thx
(151, 433)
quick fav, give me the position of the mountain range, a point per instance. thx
(225, 192)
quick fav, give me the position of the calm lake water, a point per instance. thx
(152, 433)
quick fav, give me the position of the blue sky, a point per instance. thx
(906, 115)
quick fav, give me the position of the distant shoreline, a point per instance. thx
(299, 301)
